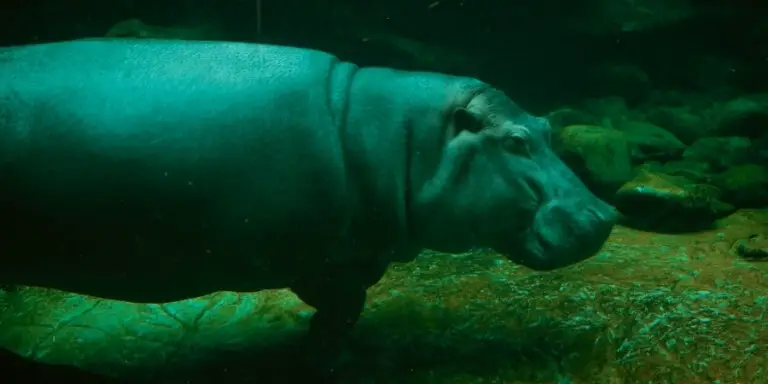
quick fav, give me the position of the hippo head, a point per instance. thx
(495, 182)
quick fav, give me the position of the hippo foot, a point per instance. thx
(753, 248)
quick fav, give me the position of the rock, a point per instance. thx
(744, 116)
(650, 166)
(720, 152)
(677, 98)
(612, 110)
(699, 117)
(599, 155)
(745, 186)
(682, 122)
(696, 171)
(651, 142)
(753, 248)
(759, 152)
(664, 203)
(118, 338)
(563, 117)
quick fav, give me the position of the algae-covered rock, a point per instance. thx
(720, 152)
(612, 110)
(745, 186)
(119, 338)
(682, 122)
(753, 248)
(563, 117)
(651, 142)
(695, 171)
(659, 202)
(694, 101)
(599, 155)
(742, 116)
(759, 152)
(690, 119)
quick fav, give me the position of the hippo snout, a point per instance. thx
(567, 231)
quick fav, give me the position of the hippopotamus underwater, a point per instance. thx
(155, 171)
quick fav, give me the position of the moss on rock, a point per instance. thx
(660, 202)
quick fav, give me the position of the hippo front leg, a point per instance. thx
(339, 299)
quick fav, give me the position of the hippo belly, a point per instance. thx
(160, 171)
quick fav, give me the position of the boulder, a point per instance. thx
(743, 116)
(754, 247)
(651, 142)
(658, 202)
(611, 110)
(720, 152)
(599, 155)
(682, 122)
(745, 186)
(122, 339)
(563, 117)
(759, 152)
(697, 172)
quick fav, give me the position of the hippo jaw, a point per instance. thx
(499, 185)
(564, 232)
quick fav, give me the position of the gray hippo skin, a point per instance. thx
(154, 171)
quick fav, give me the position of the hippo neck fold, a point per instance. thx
(394, 136)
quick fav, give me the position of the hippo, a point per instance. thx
(152, 171)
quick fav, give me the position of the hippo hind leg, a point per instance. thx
(339, 300)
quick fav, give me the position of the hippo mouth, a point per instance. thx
(565, 232)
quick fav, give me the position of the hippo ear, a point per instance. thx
(466, 120)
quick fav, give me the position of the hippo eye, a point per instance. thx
(517, 143)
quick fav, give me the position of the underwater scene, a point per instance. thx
(339, 191)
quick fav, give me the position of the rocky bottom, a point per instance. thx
(651, 308)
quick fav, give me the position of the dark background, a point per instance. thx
(537, 51)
